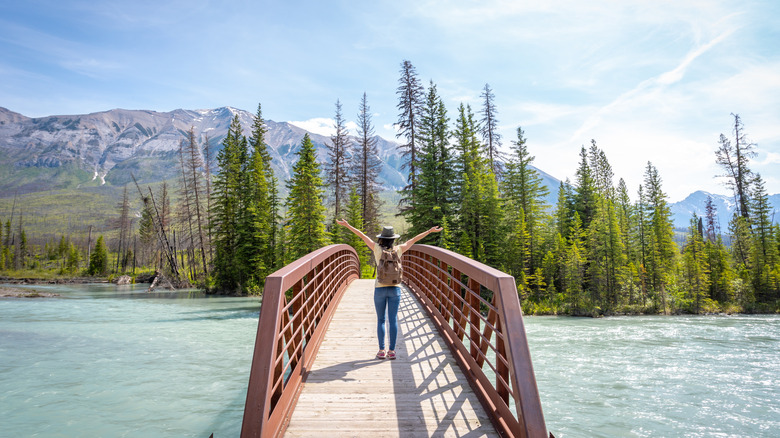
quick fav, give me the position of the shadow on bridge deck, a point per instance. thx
(349, 393)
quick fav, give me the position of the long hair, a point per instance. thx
(386, 243)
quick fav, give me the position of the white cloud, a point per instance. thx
(317, 125)
(678, 72)
(770, 158)
(324, 126)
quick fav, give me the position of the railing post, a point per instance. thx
(474, 344)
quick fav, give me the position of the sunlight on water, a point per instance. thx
(693, 376)
(104, 360)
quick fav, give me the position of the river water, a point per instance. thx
(105, 360)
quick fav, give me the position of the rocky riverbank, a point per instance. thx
(9, 292)
(58, 280)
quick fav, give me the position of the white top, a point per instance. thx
(378, 255)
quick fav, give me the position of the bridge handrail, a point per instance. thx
(298, 303)
(436, 277)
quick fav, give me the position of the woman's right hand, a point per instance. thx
(342, 222)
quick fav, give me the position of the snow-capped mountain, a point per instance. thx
(696, 202)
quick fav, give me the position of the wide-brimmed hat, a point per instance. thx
(388, 233)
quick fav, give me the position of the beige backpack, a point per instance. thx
(389, 270)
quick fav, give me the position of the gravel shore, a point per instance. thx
(7, 292)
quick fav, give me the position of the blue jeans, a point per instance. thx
(387, 299)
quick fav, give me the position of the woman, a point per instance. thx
(387, 297)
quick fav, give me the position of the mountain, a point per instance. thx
(106, 147)
(696, 202)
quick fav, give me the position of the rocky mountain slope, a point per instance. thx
(696, 202)
(106, 147)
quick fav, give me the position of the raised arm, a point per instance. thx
(408, 244)
(370, 243)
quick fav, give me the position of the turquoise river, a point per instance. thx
(114, 361)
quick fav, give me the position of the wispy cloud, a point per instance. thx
(54, 50)
(323, 126)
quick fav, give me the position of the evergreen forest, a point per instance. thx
(602, 249)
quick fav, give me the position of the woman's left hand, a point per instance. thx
(436, 229)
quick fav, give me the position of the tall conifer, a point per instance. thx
(366, 166)
(524, 190)
(410, 101)
(305, 209)
(433, 196)
(490, 135)
(336, 167)
(228, 210)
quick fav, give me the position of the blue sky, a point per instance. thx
(648, 80)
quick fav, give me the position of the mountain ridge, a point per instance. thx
(113, 144)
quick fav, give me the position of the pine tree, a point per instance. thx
(124, 223)
(695, 265)
(605, 244)
(21, 254)
(257, 228)
(517, 254)
(764, 253)
(626, 222)
(564, 209)
(739, 232)
(433, 195)
(146, 232)
(445, 236)
(306, 213)
(366, 168)
(466, 185)
(492, 231)
(228, 209)
(490, 135)
(98, 260)
(661, 247)
(208, 165)
(720, 273)
(585, 197)
(72, 261)
(193, 164)
(410, 101)
(734, 159)
(353, 215)
(524, 190)
(8, 256)
(574, 270)
(711, 216)
(337, 165)
(480, 214)
(275, 243)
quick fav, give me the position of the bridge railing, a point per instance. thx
(482, 333)
(298, 303)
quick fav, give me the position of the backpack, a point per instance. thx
(389, 270)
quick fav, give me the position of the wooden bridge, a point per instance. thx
(463, 366)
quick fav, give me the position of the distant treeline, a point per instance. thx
(595, 252)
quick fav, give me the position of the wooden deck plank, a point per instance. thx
(350, 393)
